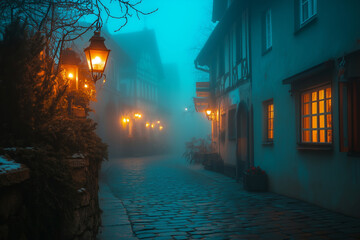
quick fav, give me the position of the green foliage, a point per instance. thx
(34, 100)
(34, 112)
(30, 94)
(50, 195)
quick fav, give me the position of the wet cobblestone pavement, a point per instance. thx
(162, 198)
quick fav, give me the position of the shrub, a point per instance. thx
(33, 106)
(195, 148)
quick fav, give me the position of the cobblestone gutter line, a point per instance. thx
(115, 221)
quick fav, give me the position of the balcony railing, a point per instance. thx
(229, 81)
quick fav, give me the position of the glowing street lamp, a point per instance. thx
(161, 128)
(137, 115)
(125, 120)
(209, 114)
(152, 125)
(97, 55)
(147, 125)
(70, 61)
(158, 122)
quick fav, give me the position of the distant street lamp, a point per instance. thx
(209, 114)
(70, 61)
(125, 120)
(97, 55)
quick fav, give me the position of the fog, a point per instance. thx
(181, 28)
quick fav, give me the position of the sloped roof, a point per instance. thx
(136, 43)
(217, 35)
(219, 8)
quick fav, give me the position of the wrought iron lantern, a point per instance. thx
(97, 55)
(209, 114)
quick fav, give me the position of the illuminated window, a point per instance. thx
(316, 116)
(269, 121)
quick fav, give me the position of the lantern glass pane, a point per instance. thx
(87, 54)
(98, 59)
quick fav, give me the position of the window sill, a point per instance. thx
(265, 51)
(315, 147)
(268, 143)
(306, 24)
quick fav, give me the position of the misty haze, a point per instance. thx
(169, 119)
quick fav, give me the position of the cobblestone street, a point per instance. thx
(163, 198)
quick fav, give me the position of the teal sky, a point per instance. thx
(182, 27)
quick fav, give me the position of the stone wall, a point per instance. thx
(13, 213)
(86, 216)
(84, 221)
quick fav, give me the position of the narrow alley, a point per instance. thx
(163, 198)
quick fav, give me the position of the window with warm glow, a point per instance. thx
(316, 116)
(269, 121)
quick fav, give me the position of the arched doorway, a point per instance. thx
(242, 139)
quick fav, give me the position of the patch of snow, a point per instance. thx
(8, 165)
(14, 148)
(10, 149)
(78, 155)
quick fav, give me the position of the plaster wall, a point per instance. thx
(227, 102)
(327, 178)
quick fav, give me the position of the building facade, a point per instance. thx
(128, 109)
(304, 75)
(141, 77)
(226, 55)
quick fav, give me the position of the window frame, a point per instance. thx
(267, 31)
(266, 138)
(299, 22)
(310, 115)
(311, 11)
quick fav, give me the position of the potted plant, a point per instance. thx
(255, 180)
